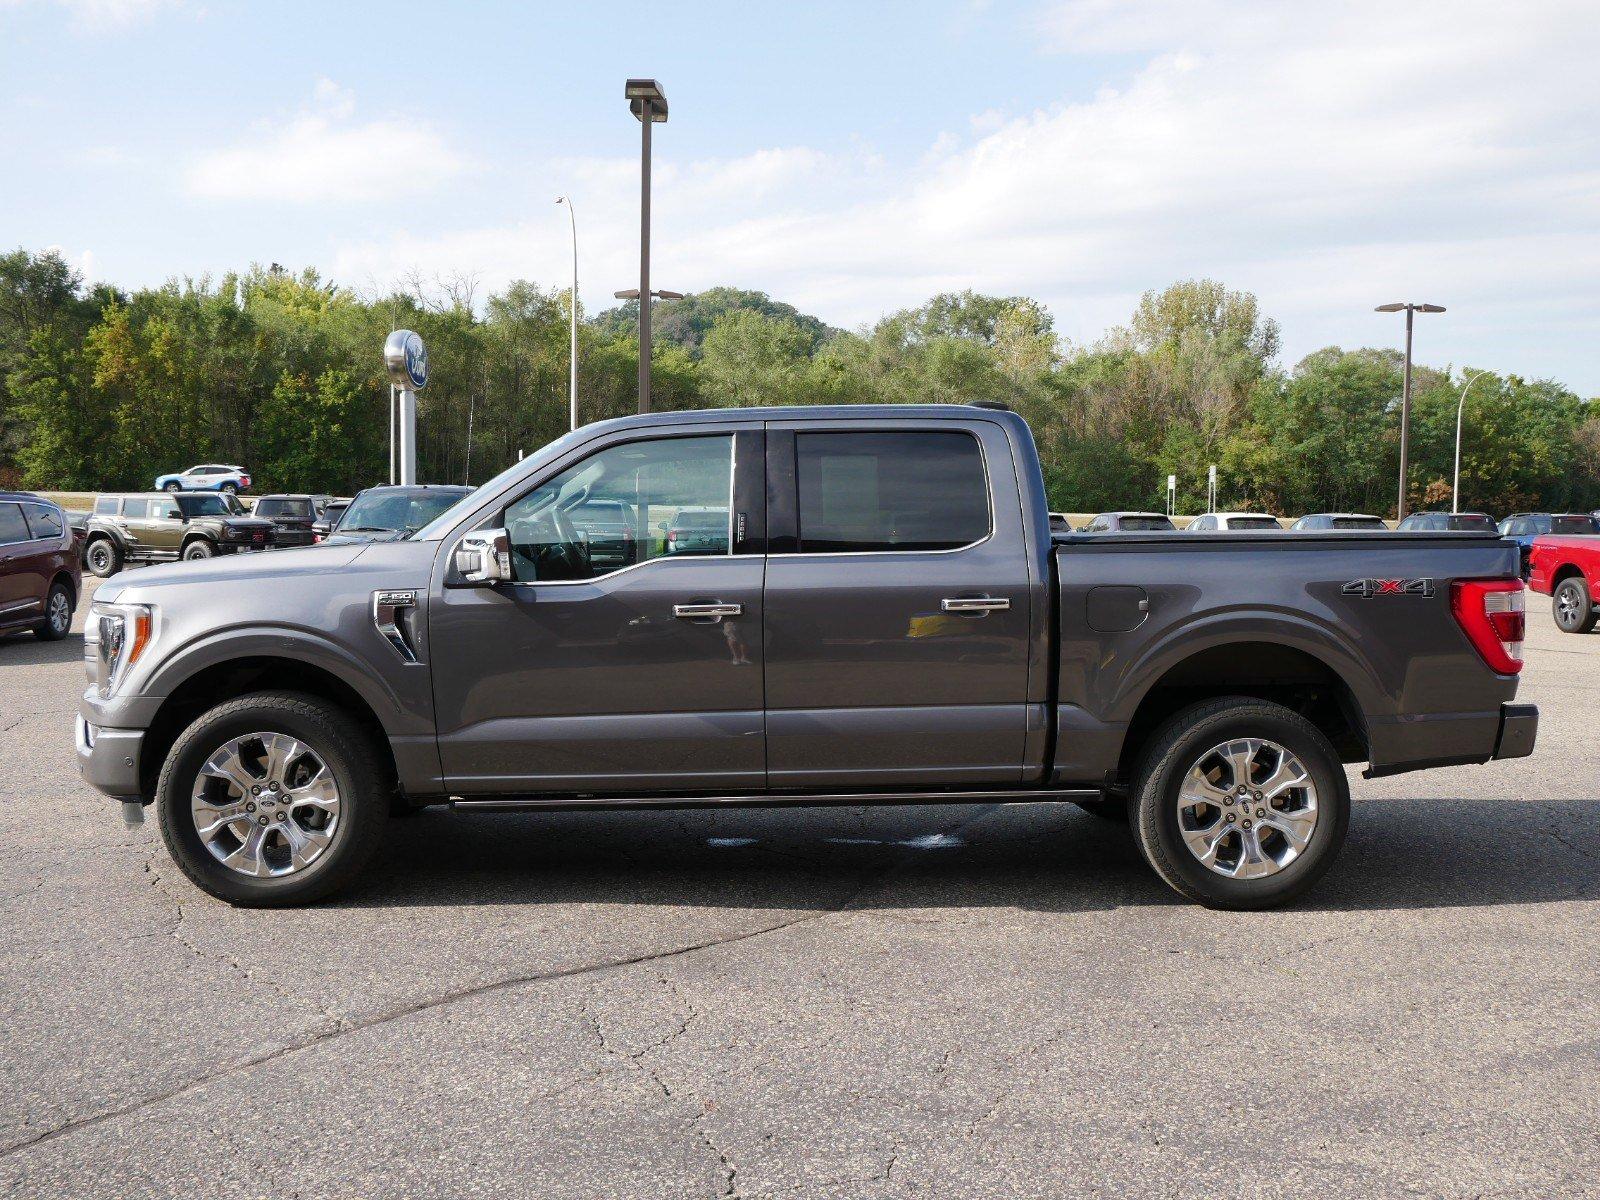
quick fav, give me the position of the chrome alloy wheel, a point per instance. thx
(60, 614)
(1569, 605)
(1247, 808)
(265, 804)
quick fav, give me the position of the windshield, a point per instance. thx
(386, 508)
(283, 508)
(1572, 525)
(1359, 523)
(204, 506)
(1253, 523)
(1145, 524)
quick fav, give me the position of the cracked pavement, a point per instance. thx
(964, 1001)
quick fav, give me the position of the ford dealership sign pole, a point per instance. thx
(407, 360)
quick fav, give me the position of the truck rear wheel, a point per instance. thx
(1573, 610)
(273, 799)
(1240, 804)
(102, 557)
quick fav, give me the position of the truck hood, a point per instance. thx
(277, 568)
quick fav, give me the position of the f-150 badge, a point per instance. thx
(1388, 587)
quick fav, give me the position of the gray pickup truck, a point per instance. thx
(804, 606)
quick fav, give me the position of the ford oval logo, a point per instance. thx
(407, 359)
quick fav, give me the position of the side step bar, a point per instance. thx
(769, 799)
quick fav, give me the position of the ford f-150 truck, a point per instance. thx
(1568, 570)
(884, 617)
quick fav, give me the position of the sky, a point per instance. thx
(849, 158)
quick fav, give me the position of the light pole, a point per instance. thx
(1461, 406)
(572, 218)
(649, 103)
(1405, 395)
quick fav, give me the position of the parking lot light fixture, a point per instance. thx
(1410, 309)
(572, 384)
(648, 103)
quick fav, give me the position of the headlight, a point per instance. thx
(115, 638)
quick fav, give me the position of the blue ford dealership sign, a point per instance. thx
(407, 360)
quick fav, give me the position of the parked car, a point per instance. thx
(41, 575)
(1312, 522)
(391, 512)
(1130, 522)
(1523, 528)
(207, 477)
(1443, 522)
(1567, 569)
(1234, 522)
(146, 527)
(697, 531)
(890, 621)
(294, 515)
(331, 512)
(1059, 523)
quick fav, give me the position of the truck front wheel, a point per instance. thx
(273, 799)
(1240, 803)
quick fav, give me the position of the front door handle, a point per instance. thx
(977, 605)
(702, 612)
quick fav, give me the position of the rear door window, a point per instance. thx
(890, 492)
(12, 527)
(136, 510)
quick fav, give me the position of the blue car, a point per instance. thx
(207, 477)
(1522, 528)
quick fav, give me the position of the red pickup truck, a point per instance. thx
(1567, 568)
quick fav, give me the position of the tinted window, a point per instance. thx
(136, 508)
(1472, 521)
(106, 506)
(1572, 525)
(1358, 523)
(43, 522)
(874, 492)
(625, 505)
(1253, 523)
(204, 506)
(1146, 524)
(12, 527)
(163, 509)
(284, 508)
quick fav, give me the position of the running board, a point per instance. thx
(771, 799)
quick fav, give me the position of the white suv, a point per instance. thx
(208, 477)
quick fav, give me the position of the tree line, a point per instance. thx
(104, 389)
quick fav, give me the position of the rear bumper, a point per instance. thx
(1519, 728)
(108, 759)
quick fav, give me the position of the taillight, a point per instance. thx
(1492, 613)
(672, 536)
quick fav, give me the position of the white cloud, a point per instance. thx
(1328, 157)
(106, 16)
(322, 156)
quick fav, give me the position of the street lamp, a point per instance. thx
(1461, 405)
(1405, 395)
(649, 104)
(572, 219)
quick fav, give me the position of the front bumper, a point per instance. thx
(1519, 728)
(108, 759)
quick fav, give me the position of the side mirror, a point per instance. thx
(176, 515)
(484, 557)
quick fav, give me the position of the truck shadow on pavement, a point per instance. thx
(1401, 854)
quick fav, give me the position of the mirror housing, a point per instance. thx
(484, 557)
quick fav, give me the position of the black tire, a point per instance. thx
(174, 486)
(363, 781)
(199, 548)
(1108, 808)
(1574, 594)
(231, 488)
(57, 621)
(102, 557)
(1179, 744)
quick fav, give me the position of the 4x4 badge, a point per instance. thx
(1388, 587)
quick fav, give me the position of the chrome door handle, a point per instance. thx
(700, 612)
(974, 604)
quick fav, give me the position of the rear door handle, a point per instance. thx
(701, 612)
(974, 604)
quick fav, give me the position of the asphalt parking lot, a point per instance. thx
(976, 1001)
